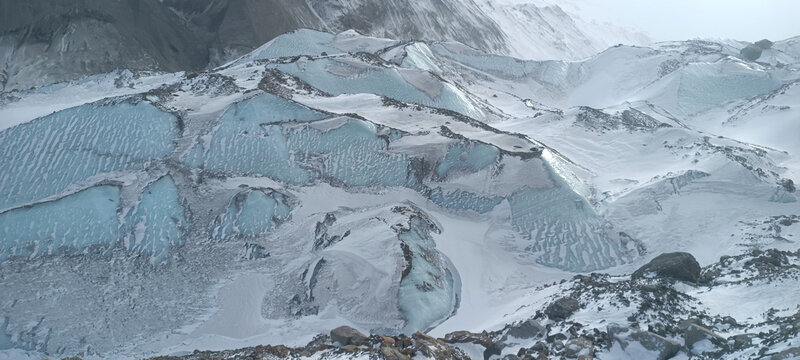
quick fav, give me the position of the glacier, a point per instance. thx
(392, 186)
(46, 157)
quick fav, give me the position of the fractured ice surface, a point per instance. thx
(44, 157)
(157, 221)
(350, 151)
(502, 65)
(427, 288)
(68, 225)
(419, 56)
(251, 213)
(352, 76)
(469, 156)
(706, 85)
(565, 229)
(464, 200)
(299, 42)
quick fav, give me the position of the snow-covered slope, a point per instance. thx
(393, 186)
(555, 30)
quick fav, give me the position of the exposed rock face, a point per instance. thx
(562, 308)
(676, 266)
(43, 42)
(527, 330)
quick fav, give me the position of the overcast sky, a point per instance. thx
(749, 20)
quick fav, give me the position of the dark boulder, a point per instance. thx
(764, 44)
(492, 350)
(527, 330)
(751, 52)
(346, 335)
(676, 266)
(562, 308)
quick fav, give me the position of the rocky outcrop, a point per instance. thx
(562, 308)
(346, 335)
(674, 266)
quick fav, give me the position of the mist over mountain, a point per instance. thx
(391, 180)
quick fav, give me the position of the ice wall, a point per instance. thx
(157, 222)
(44, 157)
(251, 213)
(68, 225)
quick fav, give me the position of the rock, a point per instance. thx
(751, 52)
(562, 308)
(467, 337)
(579, 348)
(788, 354)
(402, 341)
(552, 338)
(392, 353)
(350, 348)
(527, 330)
(742, 341)
(387, 340)
(676, 266)
(666, 348)
(663, 348)
(788, 185)
(419, 335)
(764, 44)
(494, 349)
(540, 347)
(432, 348)
(346, 335)
(701, 340)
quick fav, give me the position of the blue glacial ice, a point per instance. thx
(339, 77)
(419, 56)
(298, 42)
(351, 152)
(707, 85)
(67, 225)
(157, 221)
(470, 156)
(501, 65)
(268, 109)
(426, 294)
(251, 213)
(44, 157)
(464, 200)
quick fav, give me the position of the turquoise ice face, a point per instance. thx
(707, 85)
(251, 213)
(354, 77)
(157, 222)
(468, 156)
(69, 225)
(44, 157)
(426, 293)
(262, 137)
